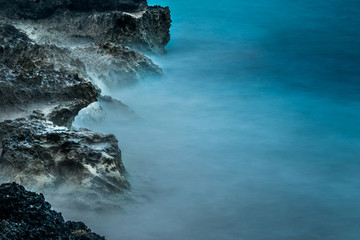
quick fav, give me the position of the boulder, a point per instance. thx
(39, 155)
(26, 215)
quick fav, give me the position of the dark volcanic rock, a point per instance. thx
(38, 154)
(107, 5)
(37, 9)
(50, 68)
(112, 65)
(40, 77)
(33, 9)
(26, 215)
(128, 22)
(147, 30)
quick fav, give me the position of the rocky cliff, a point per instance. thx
(56, 57)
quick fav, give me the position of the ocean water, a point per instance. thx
(252, 133)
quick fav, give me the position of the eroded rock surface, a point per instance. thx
(38, 9)
(105, 110)
(54, 67)
(26, 215)
(113, 65)
(38, 154)
(41, 77)
(146, 30)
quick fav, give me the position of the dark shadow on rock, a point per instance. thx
(26, 215)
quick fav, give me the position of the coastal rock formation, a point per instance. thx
(113, 65)
(37, 9)
(38, 154)
(55, 58)
(41, 77)
(98, 112)
(146, 30)
(26, 215)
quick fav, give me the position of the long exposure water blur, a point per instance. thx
(253, 131)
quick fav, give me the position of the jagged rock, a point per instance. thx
(41, 70)
(146, 30)
(37, 9)
(113, 65)
(118, 108)
(38, 154)
(41, 77)
(135, 61)
(26, 215)
(98, 112)
(107, 5)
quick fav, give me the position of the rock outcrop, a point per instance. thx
(26, 215)
(41, 77)
(98, 112)
(55, 58)
(112, 66)
(145, 30)
(38, 9)
(57, 82)
(38, 154)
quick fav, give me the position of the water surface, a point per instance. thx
(253, 133)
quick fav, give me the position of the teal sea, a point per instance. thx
(252, 133)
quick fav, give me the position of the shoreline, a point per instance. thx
(51, 67)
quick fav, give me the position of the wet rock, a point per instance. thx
(41, 77)
(38, 9)
(112, 65)
(30, 8)
(118, 108)
(40, 155)
(26, 215)
(146, 30)
(107, 5)
(106, 110)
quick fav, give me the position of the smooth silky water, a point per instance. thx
(252, 133)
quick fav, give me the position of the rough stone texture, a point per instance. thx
(49, 68)
(26, 215)
(40, 77)
(146, 30)
(113, 65)
(107, 5)
(98, 112)
(40, 155)
(37, 9)
(118, 108)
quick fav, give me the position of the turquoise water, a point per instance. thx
(253, 133)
